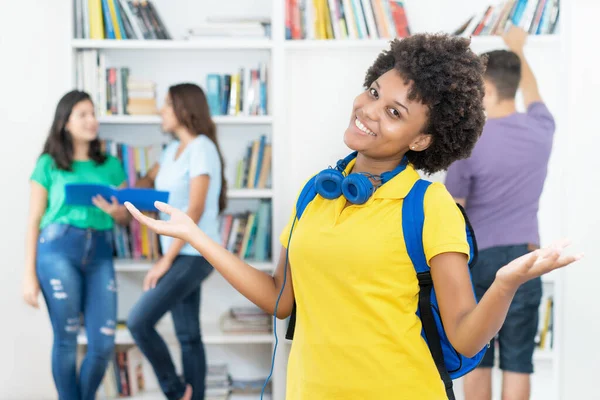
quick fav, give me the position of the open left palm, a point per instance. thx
(180, 225)
(536, 263)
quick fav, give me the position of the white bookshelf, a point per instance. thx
(326, 75)
(168, 62)
(311, 87)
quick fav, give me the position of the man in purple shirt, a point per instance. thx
(500, 187)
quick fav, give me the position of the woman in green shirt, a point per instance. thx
(69, 248)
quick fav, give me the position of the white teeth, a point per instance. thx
(363, 128)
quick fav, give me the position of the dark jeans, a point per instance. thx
(177, 291)
(76, 275)
(516, 338)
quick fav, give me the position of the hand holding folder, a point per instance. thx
(81, 194)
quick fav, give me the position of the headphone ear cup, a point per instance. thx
(328, 183)
(357, 188)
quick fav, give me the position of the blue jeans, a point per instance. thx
(516, 338)
(177, 291)
(75, 270)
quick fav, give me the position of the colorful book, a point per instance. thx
(142, 198)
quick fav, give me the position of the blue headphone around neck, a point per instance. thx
(356, 187)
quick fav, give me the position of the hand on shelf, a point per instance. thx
(179, 226)
(534, 264)
(156, 272)
(515, 38)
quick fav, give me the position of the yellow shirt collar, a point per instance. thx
(397, 187)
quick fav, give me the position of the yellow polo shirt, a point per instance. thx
(357, 335)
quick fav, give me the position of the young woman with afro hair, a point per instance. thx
(346, 268)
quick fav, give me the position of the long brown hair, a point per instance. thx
(59, 143)
(191, 109)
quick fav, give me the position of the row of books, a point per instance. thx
(254, 169)
(345, 19)
(246, 320)
(124, 375)
(118, 19)
(248, 234)
(113, 89)
(242, 93)
(537, 17)
(135, 241)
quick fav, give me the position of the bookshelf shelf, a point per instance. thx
(552, 277)
(206, 44)
(211, 334)
(155, 119)
(543, 355)
(533, 40)
(250, 194)
(129, 265)
(383, 43)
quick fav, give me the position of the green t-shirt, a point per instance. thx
(54, 180)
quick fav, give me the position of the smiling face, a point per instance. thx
(82, 123)
(384, 123)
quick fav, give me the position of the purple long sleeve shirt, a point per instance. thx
(503, 179)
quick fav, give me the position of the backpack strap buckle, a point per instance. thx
(425, 279)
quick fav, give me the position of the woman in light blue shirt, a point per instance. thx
(191, 169)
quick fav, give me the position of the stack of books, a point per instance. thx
(218, 382)
(246, 320)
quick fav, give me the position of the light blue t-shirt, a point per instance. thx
(200, 157)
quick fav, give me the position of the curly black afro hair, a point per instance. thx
(447, 77)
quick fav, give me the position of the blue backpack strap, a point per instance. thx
(413, 217)
(307, 194)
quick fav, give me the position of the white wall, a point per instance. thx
(581, 319)
(33, 76)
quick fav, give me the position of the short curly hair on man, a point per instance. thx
(446, 76)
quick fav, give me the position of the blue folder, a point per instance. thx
(81, 194)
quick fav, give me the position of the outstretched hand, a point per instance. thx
(534, 264)
(180, 225)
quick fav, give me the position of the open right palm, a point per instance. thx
(180, 225)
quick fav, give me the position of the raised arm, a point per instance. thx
(515, 39)
(259, 287)
(471, 326)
